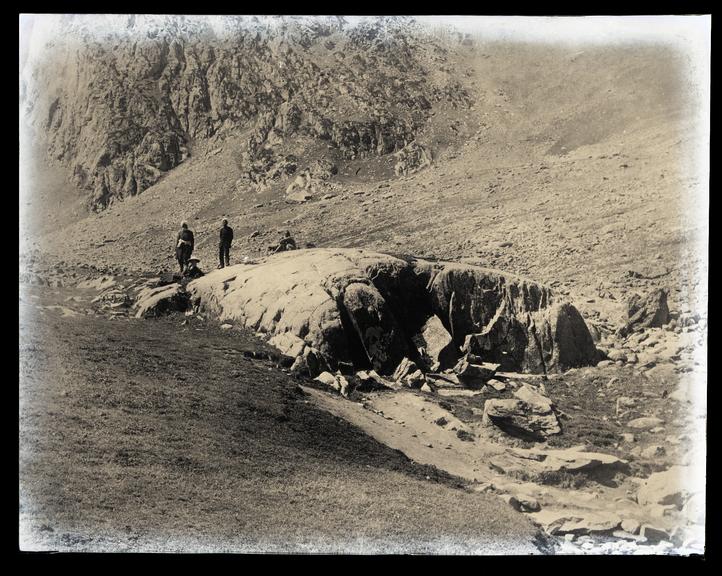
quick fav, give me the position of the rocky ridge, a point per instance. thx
(120, 101)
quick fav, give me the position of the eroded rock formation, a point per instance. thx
(369, 309)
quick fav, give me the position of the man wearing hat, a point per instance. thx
(224, 245)
(193, 271)
(184, 246)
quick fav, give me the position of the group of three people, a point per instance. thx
(185, 242)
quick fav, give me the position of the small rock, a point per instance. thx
(496, 385)
(528, 503)
(625, 402)
(426, 387)
(630, 525)
(226, 326)
(653, 534)
(645, 423)
(653, 452)
(617, 356)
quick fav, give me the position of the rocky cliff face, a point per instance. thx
(119, 101)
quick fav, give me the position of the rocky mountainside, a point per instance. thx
(120, 101)
(568, 164)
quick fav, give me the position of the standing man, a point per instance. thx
(185, 243)
(224, 246)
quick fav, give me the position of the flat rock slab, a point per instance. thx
(534, 398)
(576, 521)
(570, 459)
(518, 418)
(645, 423)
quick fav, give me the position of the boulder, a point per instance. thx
(517, 418)
(437, 344)
(617, 355)
(653, 534)
(313, 361)
(414, 380)
(404, 368)
(426, 387)
(528, 503)
(650, 311)
(364, 309)
(631, 526)
(579, 460)
(370, 380)
(474, 375)
(576, 522)
(496, 385)
(328, 379)
(152, 302)
(288, 343)
(335, 381)
(591, 523)
(100, 284)
(645, 423)
(541, 403)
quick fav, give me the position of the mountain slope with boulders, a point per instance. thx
(563, 164)
(123, 100)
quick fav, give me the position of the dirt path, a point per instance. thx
(444, 430)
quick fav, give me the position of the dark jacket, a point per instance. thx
(187, 236)
(226, 235)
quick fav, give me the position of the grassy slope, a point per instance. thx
(151, 436)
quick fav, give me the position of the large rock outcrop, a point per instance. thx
(369, 309)
(121, 99)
